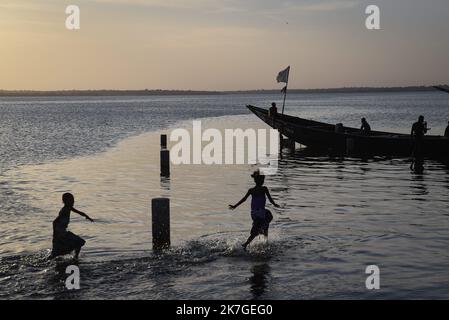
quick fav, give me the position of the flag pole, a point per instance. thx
(285, 96)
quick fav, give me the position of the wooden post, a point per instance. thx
(163, 141)
(165, 163)
(165, 157)
(160, 217)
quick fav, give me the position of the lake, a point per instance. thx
(338, 215)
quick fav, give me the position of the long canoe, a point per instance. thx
(341, 139)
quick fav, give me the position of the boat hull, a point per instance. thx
(322, 136)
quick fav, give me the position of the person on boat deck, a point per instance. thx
(65, 242)
(446, 133)
(365, 128)
(261, 217)
(272, 112)
(419, 129)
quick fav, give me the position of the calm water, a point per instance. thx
(338, 215)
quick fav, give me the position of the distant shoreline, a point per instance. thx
(34, 93)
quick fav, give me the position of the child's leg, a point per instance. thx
(255, 231)
(269, 218)
(265, 232)
(251, 238)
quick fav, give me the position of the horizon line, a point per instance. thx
(30, 92)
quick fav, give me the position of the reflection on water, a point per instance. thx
(419, 187)
(165, 183)
(259, 279)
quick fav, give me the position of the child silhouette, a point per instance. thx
(261, 217)
(64, 242)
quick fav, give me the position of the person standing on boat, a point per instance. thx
(365, 128)
(272, 112)
(446, 133)
(419, 129)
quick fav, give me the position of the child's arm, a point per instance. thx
(267, 192)
(83, 215)
(232, 207)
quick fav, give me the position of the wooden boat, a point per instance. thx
(341, 139)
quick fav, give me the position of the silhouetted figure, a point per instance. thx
(261, 216)
(273, 111)
(65, 242)
(365, 128)
(446, 133)
(419, 129)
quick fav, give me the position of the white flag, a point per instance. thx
(283, 75)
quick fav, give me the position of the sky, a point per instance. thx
(221, 44)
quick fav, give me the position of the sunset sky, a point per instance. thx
(221, 44)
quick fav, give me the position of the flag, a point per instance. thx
(283, 75)
(284, 89)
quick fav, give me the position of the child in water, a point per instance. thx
(261, 216)
(64, 242)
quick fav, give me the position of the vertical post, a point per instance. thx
(165, 157)
(165, 163)
(285, 96)
(160, 217)
(163, 141)
(281, 142)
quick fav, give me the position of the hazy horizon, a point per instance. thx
(221, 45)
(268, 90)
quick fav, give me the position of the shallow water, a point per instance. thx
(338, 215)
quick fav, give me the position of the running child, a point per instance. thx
(261, 217)
(64, 242)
